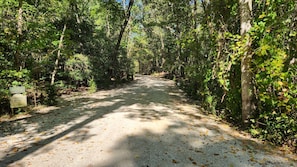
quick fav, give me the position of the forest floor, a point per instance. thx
(147, 123)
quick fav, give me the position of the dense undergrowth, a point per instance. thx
(212, 74)
(54, 47)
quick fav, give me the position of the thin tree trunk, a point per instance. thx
(20, 34)
(107, 26)
(195, 14)
(78, 22)
(128, 29)
(58, 55)
(117, 47)
(123, 28)
(246, 72)
(162, 52)
(20, 18)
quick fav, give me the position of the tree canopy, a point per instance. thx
(236, 58)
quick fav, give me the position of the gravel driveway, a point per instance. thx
(144, 124)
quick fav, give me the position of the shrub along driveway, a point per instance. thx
(147, 123)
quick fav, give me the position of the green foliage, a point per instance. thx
(203, 51)
(275, 74)
(199, 46)
(10, 78)
(32, 54)
(78, 68)
(92, 85)
(52, 95)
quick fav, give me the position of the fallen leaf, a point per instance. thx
(263, 161)
(37, 139)
(220, 138)
(174, 161)
(252, 159)
(205, 133)
(15, 150)
(206, 165)
(198, 151)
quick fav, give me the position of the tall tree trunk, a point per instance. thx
(123, 28)
(195, 14)
(107, 26)
(76, 12)
(246, 72)
(162, 59)
(17, 56)
(117, 47)
(58, 55)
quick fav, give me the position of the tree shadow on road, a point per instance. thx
(174, 148)
(73, 115)
(142, 101)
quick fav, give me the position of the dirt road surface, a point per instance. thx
(148, 123)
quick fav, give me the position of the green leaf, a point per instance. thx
(55, 43)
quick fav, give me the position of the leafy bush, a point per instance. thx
(92, 85)
(275, 79)
(78, 68)
(213, 73)
(52, 95)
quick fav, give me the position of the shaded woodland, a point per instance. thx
(236, 58)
